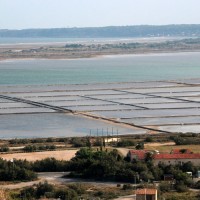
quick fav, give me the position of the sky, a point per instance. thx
(23, 14)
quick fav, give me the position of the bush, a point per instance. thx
(125, 143)
(127, 187)
(197, 185)
(50, 165)
(79, 188)
(180, 187)
(78, 142)
(30, 148)
(49, 140)
(4, 149)
(16, 171)
(18, 141)
(140, 146)
(164, 187)
(186, 140)
(43, 188)
(149, 139)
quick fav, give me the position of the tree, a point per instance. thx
(4, 149)
(149, 139)
(164, 187)
(140, 146)
(43, 188)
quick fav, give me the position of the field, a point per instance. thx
(59, 155)
(168, 148)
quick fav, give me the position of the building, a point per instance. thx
(179, 151)
(174, 159)
(177, 156)
(137, 154)
(146, 194)
(168, 177)
(198, 174)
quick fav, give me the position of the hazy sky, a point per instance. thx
(19, 14)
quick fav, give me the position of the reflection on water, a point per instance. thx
(52, 125)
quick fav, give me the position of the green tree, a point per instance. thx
(140, 146)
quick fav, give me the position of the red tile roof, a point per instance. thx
(177, 156)
(139, 153)
(179, 151)
(146, 191)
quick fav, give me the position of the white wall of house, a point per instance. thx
(196, 162)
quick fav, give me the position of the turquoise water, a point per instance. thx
(101, 69)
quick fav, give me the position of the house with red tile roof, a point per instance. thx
(137, 154)
(179, 151)
(146, 194)
(177, 156)
(180, 158)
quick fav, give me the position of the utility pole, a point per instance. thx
(135, 182)
(112, 134)
(107, 135)
(117, 136)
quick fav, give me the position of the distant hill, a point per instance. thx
(111, 31)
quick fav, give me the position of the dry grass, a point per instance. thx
(59, 155)
(167, 147)
(181, 196)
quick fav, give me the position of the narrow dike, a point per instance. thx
(86, 114)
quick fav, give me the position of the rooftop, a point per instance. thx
(146, 191)
(176, 156)
(179, 151)
(139, 153)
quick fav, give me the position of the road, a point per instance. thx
(57, 178)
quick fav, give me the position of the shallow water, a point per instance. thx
(100, 70)
(54, 125)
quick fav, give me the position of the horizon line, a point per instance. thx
(82, 27)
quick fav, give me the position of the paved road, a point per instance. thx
(52, 177)
(57, 178)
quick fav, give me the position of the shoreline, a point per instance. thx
(95, 48)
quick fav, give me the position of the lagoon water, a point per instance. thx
(124, 68)
(55, 125)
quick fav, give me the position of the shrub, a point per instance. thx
(149, 139)
(125, 143)
(140, 145)
(79, 188)
(164, 187)
(197, 185)
(4, 149)
(127, 187)
(30, 148)
(180, 187)
(78, 142)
